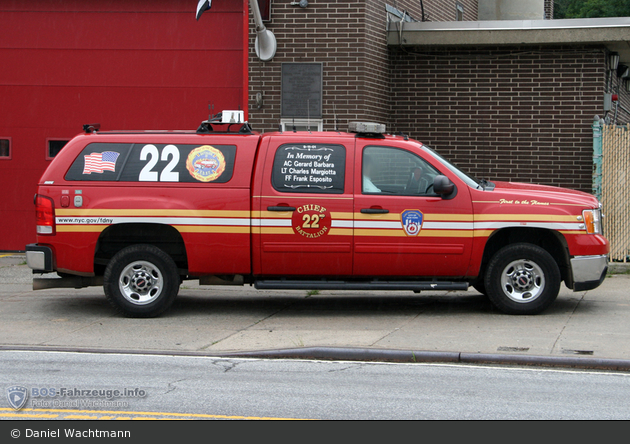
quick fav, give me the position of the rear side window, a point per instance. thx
(5, 149)
(154, 163)
(309, 168)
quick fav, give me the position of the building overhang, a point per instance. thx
(614, 33)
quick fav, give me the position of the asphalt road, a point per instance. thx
(184, 387)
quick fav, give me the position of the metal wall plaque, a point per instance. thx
(302, 90)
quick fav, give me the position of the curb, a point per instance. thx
(411, 356)
(370, 355)
(618, 267)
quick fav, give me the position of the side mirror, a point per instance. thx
(444, 187)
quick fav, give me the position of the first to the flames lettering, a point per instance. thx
(311, 221)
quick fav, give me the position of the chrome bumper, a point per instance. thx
(588, 271)
(39, 258)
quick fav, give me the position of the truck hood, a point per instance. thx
(544, 193)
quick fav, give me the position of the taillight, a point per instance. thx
(45, 209)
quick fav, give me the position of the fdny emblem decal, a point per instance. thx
(205, 163)
(411, 222)
(17, 396)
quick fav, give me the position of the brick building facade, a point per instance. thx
(520, 112)
(517, 113)
(348, 38)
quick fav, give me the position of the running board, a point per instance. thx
(284, 284)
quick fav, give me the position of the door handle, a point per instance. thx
(374, 210)
(280, 208)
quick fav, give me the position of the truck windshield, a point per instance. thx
(471, 181)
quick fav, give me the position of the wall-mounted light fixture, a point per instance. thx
(301, 3)
(613, 60)
(265, 44)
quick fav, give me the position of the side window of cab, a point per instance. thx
(388, 170)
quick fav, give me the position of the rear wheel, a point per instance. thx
(141, 281)
(522, 279)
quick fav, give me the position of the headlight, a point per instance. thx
(593, 221)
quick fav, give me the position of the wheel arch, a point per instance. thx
(116, 237)
(550, 240)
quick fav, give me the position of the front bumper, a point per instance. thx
(39, 258)
(588, 271)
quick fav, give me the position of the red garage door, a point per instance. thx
(126, 64)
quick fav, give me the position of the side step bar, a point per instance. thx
(284, 284)
(67, 282)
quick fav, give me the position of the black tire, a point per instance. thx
(141, 281)
(480, 286)
(522, 279)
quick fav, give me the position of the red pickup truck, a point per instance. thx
(139, 212)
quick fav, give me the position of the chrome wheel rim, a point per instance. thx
(522, 281)
(141, 282)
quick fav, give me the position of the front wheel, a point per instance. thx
(141, 281)
(522, 279)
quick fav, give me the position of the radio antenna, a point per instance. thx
(308, 115)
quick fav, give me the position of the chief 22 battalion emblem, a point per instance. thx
(205, 163)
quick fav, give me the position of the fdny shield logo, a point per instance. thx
(17, 396)
(411, 222)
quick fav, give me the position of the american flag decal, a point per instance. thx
(99, 162)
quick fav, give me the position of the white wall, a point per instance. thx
(511, 10)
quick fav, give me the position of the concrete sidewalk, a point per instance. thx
(592, 326)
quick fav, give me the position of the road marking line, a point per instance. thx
(74, 414)
(80, 417)
(26, 415)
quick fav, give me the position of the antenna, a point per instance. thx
(265, 44)
(308, 115)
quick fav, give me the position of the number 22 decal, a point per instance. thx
(311, 221)
(152, 153)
